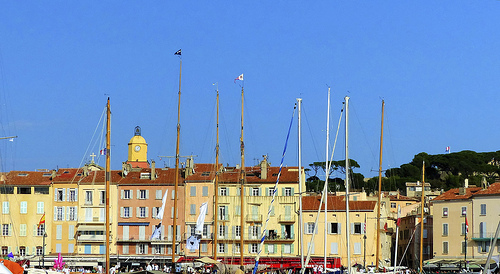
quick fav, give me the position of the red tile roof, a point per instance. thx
(336, 203)
(493, 189)
(253, 175)
(454, 194)
(27, 178)
(401, 198)
(203, 172)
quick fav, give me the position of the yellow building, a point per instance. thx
(362, 222)
(25, 198)
(281, 233)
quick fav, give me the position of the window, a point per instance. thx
(126, 194)
(445, 230)
(483, 247)
(88, 197)
(158, 194)
(72, 213)
(156, 249)
(310, 228)
(22, 230)
(222, 230)
(223, 213)
(142, 195)
(393, 205)
(204, 191)
(334, 248)
(288, 191)
(254, 248)
(205, 230)
(23, 190)
(72, 195)
(141, 249)
(483, 209)
(192, 209)
(125, 249)
(287, 249)
(464, 210)
(59, 213)
(221, 247)
(192, 191)
(22, 251)
(102, 197)
(237, 231)
(41, 190)
(40, 230)
(24, 207)
(445, 212)
(270, 191)
(156, 210)
(334, 228)
(5, 230)
(445, 247)
(254, 232)
(5, 208)
(357, 228)
(39, 251)
(237, 248)
(223, 191)
(357, 248)
(59, 194)
(5, 251)
(59, 232)
(40, 208)
(142, 213)
(7, 190)
(126, 212)
(255, 191)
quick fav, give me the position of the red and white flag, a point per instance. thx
(398, 222)
(466, 226)
(448, 149)
(239, 78)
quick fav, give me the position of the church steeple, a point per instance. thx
(138, 150)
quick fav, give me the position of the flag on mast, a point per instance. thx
(201, 218)
(448, 149)
(399, 216)
(156, 233)
(179, 52)
(42, 221)
(161, 212)
(239, 78)
(466, 225)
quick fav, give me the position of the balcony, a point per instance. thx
(286, 218)
(91, 238)
(256, 238)
(480, 236)
(253, 218)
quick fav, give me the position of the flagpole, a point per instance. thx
(422, 217)
(465, 240)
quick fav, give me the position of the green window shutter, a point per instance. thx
(292, 231)
(293, 191)
(275, 248)
(291, 248)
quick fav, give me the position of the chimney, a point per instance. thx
(53, 174)
(263, 168)
(466, 183)
(153, 170)
(85, 170)
(461, 191)
(125, 169)
(189, 167)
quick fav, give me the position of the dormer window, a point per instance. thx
(145, 175)
(206, 173)
(22, 174)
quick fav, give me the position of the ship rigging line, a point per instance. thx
(263, 235)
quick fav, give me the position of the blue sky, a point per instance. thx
(435, 63)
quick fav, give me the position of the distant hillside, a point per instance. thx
(442, 171)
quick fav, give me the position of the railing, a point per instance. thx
(255, 237)
(481, 235)
(89, 238)
(286, 218)
(254, 218)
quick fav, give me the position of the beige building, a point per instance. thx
(24, 199)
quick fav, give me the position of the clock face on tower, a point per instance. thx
(137, 148)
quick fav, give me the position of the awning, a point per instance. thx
(207, 260)
(91, 228)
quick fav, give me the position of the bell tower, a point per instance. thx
(138, 150)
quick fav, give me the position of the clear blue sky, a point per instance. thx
(435, 63)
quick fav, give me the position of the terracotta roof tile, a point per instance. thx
(25, 178)
(454, 194)
(336, 203)
(493, 189)
(253, 175)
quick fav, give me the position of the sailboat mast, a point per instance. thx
(107, 179)
(299, 103)
(347, 184)
(422, 216)
(216, 211)
(377, 256)
(242, 182)
(327, 169)
(174, 225)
